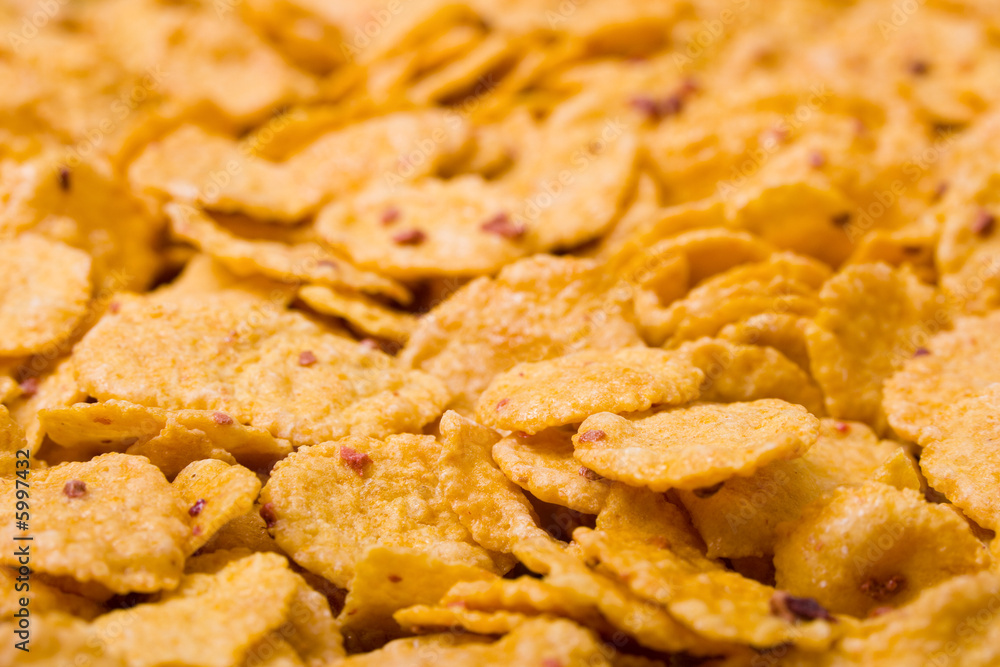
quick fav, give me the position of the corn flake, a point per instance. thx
(215, 493)
(673, 449)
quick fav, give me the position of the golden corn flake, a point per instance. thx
(531, 397)
(489, 505)
(311, 628)
(234, 607)
(874, 546)
(253, 362)
(543, 464)
(785, 283)
(291, 263)
(373, 492)
(901, 470)
(954, 622)
(701, 594)
(56, 638)
(952, 366)
(872, 320)
(740, 518)
(243, 532)
(542, 642)
(215, 493)
(425, 618)
(58, 389)
(694, 447)
(962, 462)
(114, 520)
(539, 308)
(46, 288)
(43, 598)
(648, 624)
(365, 315)
(716, 250)
(748, 372)
(11, 442)
(171, 436)
(643, 515)
(392, 578)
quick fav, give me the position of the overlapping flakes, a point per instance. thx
(696, 446)
(293, 176)
(254, 362)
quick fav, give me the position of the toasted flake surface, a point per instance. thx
(215, 493)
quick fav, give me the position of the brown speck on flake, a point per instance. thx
(842, 427)
(390, 215)
(327, 263)
(659, 541)
(551, 662)
(268, 515)
(102, 420)
(880, 590)
(592, 436)
(307, 358)
(502, 402)
(841, 219)
(587, 473)
(793, 608)
(198, 506)
(939, 190)
(921, 352)
(196, 530)
(395, 578)
(502, 225)
(918, 67)
(114, 307)
(409, 237)
(983, 223)
(354, 460)
(222, 418)
(65, 180)
(912, 249)
(29, 386)
(708, 491)
(817, 160)
(879, 611)
(75, 488)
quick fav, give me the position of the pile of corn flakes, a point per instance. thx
(550, 333)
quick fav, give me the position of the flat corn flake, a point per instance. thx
(874, 546)
(873, 318)
(254, 363)
(215, 493)
(46, 288)
(740, 518)
(954, 622)
(335, 165)
(785, 333)
(785, 283)
(272, 651)
(375, 492)
(289, 263)
(392, 578)
(901, 470)
(713, 602)
(311, 628)
(454, 228)
(648, 624)
(234, 607)
(542, 642)
(531, 397)
(171, 436)
(543, 464)
(535, 309)
(113, 520)
(696, 446)
(492, 508)
(962, 462)
(748, 372)
(363, 314)
(952, 366)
